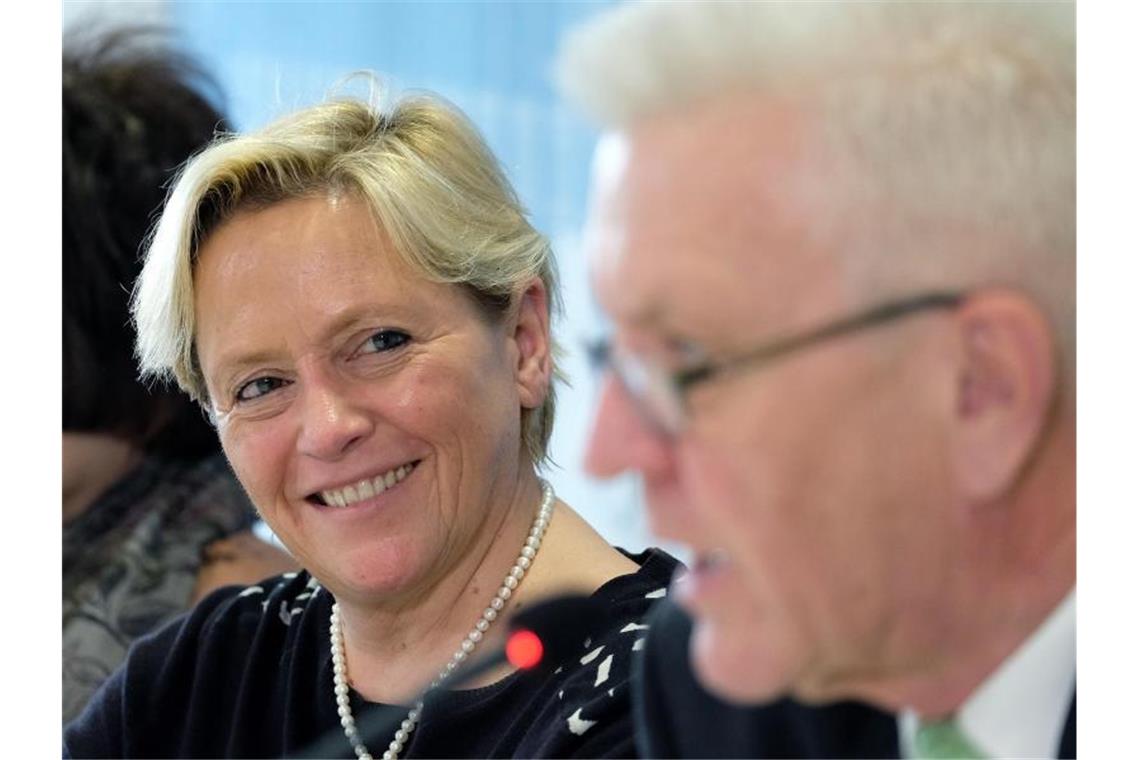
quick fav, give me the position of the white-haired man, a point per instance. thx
(836, 241)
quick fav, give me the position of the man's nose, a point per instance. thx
(621, 438)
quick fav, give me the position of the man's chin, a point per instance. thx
(731, 665)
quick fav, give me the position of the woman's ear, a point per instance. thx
(1007, 380)
(530, 326)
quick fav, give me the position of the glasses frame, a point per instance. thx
(661, 395)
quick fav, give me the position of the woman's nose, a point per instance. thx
(333, 422)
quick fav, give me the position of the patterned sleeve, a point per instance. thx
(592, 713)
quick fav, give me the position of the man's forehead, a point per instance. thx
(688, 204)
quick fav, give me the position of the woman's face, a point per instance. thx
(372, 415)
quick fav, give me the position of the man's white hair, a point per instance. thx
(946, 130)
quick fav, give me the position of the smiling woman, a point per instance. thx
(358, 299)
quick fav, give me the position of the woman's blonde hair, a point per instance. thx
(424, 171)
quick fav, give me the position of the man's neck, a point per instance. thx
(1021, 709)
(1017, 564)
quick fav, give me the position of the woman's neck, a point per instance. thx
(394, 649)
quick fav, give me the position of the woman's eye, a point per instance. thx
(385, 340)
(256, 388)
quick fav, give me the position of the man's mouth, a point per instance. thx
(710, 561)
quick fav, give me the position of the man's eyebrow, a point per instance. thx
(650, 314)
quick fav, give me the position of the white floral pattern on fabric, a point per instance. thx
(577, 725)
(604, 671)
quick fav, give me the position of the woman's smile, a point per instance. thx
(363, 491)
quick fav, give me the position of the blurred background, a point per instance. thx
(493, 60)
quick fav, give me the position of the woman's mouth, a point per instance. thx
(348, 495)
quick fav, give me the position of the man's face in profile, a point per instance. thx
(793, 482)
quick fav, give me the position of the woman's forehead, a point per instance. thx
(304, 264)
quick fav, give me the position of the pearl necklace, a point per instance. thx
(466, 647)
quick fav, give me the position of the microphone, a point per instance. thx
(539, 637)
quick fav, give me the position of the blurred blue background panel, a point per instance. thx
(493, 60)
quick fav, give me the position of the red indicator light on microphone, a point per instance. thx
(524, 649)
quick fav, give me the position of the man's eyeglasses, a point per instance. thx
(660, 393)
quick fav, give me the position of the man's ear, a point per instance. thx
(1006, 386)
(531, 337)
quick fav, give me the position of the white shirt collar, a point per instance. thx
(1020, 710)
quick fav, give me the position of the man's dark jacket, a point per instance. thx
(675, 717)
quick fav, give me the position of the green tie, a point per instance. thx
(943, 740)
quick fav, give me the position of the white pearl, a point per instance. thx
(336, 639)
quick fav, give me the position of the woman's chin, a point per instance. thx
(374, 577)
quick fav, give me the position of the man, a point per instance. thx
(836, 242)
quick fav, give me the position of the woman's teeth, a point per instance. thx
(366, 489)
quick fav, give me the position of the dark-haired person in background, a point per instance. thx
(145, 489)
(837, 241)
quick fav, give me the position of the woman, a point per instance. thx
(145, 487)
(357, 298)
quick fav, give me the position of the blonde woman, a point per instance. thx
(357, 298)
